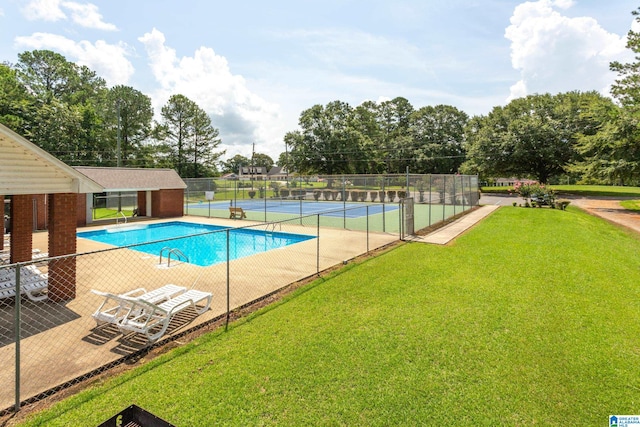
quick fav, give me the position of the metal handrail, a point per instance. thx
(170, 251)
(180, 254)
(123, 216)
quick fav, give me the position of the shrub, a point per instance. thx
(392, 195)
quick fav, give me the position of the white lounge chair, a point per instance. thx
(33, 283)
(116, 306)
(5, 255)
(153, 320)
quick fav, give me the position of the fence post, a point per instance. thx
(17, 336)
(430, 198)
(367, 228)
(384, 220)
(455, 198)
(444, 197)
(228, 286)
(318, 245)
(344, 204)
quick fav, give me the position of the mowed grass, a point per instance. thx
(578, 190)
(531, 318)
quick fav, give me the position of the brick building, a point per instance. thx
(26, 173)
(158, 193)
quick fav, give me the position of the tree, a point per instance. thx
(190, 137)
(626, 88)
(177, 115)
(233, 164)
(14, 99)
(394, 118)
(48, 75)
(438, 136)
(611, 154)
(366, 121)
(532, 137)
(67, 98)
(263, 160)
(128, 111)
(328, 142)
(205, 140)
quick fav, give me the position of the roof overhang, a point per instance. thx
(27, 169)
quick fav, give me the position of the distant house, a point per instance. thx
(278, 173)
(252, 172)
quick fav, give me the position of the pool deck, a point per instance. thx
(73, 344)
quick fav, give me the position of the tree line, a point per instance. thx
(68, 110)
(580, 136)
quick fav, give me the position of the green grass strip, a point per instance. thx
(578, 190)
(531, 318)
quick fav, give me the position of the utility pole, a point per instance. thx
(118, 147)
(119, 154)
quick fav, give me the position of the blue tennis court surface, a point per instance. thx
(297, 207)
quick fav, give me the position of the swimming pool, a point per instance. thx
(203, 244)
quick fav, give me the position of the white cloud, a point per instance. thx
(87, 15)
(563, 4)
(45, 10)
(83, 14)
(241, 115)
(555, 53)
(107, 60)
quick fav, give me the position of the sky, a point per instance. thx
(254, 66)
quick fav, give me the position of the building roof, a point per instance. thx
(253, 170)
(278, 170)
(133, 179)
(27, 169)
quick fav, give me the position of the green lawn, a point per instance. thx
(580, 190)
(105, 213)
(531, 318)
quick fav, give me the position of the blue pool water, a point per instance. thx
(203, 244)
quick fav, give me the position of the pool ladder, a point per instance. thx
(271, 228)
(123, 216)
(179, 255)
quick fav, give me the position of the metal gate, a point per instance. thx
(407, 223)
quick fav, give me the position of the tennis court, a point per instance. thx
(298, 207)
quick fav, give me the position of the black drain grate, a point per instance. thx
(134, 416)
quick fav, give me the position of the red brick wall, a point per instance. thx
(81, 220)
(167, 203)
(2, 224)
(21, 227)
(142, 203)
(41, 211)
(62, 241)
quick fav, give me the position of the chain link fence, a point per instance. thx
(436, 197)
(50, 340)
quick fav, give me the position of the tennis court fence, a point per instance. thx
(436, 198)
